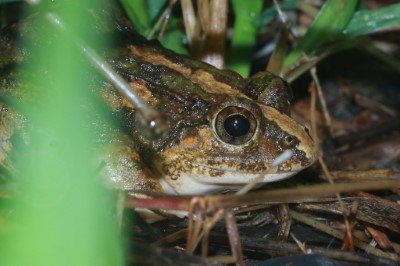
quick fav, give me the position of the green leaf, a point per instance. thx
(62, 216)
(370, 21)
(142, 13)
(244, 35)
(154, 8)
(173, 37)
(327, 26)
(270, 13)
(137, 14)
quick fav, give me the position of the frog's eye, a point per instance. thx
(235, 125)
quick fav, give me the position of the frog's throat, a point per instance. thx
(196, 185)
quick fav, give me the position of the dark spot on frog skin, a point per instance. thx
(215, 173)
(211, 162)
(252, 167)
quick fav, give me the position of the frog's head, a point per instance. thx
(239, 143)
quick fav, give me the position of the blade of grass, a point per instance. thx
(142, 13)
(154, 7)
(369, 21)
(293, 73)
(136, 11)
(244, 35)
(275, 63)
(327, 26)
(269, 14)
(61, 213)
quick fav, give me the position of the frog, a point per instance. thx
(223, 130)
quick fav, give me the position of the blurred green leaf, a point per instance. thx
(370, 21)
(244, 35)
(61, 214)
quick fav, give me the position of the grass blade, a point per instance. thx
(369, 21)
(244, 35)
(327, 26)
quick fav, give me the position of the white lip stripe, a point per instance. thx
(195, 185)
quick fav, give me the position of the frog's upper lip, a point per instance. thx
(227, 169)
(295, 168)
(240, 177)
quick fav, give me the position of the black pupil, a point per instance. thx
(236, 125)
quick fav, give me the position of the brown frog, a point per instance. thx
(223, 130)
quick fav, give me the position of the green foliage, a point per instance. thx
(268, 14)
(143, 13)
(370, 21)
(337, 20)
(327, 26)
(60, 211)
(244, 35)
(174, 38)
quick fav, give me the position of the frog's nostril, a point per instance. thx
(289, 140)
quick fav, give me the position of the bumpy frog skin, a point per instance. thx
(223, 130)
(200, 153)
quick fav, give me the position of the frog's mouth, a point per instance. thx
(207, 174)
(197, 183)
(225, 175)
(208, 179)
(239, 170)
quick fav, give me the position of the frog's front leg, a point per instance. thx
(123, 167)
